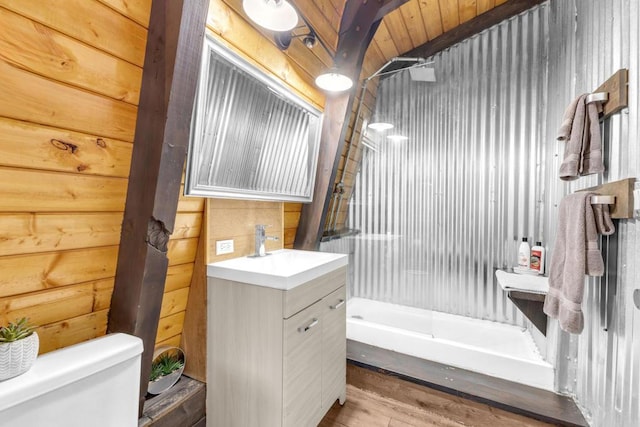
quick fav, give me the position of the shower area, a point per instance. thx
(443, 199)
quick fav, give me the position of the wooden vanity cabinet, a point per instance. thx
(275, 357)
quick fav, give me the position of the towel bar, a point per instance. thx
(603, 200)
(597, 97)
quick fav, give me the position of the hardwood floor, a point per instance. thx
(379, 400)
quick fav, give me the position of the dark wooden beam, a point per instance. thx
(472, 27)
(171, 67)
(360, 20)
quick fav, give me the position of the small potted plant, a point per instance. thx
(166, 369)
(18, 348)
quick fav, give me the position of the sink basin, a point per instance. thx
(284, 269)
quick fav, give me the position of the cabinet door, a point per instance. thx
(302, 367)
(334, 347)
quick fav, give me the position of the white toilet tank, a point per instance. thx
(95, 383)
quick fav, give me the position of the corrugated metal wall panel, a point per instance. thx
(440, 211)
(590, 40)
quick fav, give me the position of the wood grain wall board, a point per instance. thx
(396, 26)
(32, 146)
(291, 217)
(50, 103)
(89, 21)
(178, 277)
(72, 331)
(499, 2)
(137, 10)
(450, 14)
(103, 289)
(244, 39)
(292, 207)
(174, 302)
(385, 42)
(30, 273)
(194, 331)
(484, 5)
(182, 251)
(468, 10)
(49, 306)
(326, 27)
(189, 203)
(412, 17)
(330, 12)
(170, 326)
(41, 50)
(24, 233)
(236, 219)
(173, 341)
(432, 18)
(59, 192)
(187, 225)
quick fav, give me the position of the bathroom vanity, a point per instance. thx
(276, 339)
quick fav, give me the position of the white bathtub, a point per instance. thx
(490, 348)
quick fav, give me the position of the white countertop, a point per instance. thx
(284, 269)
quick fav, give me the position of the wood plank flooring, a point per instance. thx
(519, 398)
(379, 400)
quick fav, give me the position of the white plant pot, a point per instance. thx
(164, 383)
(17, 357)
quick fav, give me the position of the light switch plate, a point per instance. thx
(224, 247)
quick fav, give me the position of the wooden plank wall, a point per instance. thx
(71, 73)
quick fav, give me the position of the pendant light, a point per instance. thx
(333, 81)
(380, 119)
(274, 15)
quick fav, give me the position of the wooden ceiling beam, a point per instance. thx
(360, 20)
(171, 67)
(472, 27)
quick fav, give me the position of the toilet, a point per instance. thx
(95, 383)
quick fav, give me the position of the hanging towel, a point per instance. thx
(603, 220)
(574, 120)
(592, 142)
(580, 129)
(574, 255)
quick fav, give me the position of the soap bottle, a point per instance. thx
(524, 254)
(537, 258)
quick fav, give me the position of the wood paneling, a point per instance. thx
(236, 220)
(32, 146)
(72, 331)
(90, 22)
(137, 10)
(58, 192)
(38, 49)
(55, 104)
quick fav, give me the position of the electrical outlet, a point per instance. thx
(224, 247)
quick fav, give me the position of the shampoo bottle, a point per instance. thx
(524, 254)
(537, 258)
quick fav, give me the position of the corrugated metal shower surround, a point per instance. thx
(440, 211)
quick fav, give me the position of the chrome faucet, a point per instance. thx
(261, 237)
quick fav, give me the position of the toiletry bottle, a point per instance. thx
(524, 254)
(537, 258)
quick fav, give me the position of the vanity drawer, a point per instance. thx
(297, 299)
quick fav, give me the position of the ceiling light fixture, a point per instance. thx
(380, 126)
(334, 81)
(397, 138)
(274, 15)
